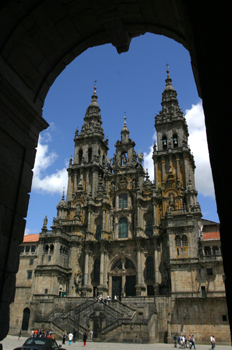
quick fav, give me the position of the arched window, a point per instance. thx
(129, 264)
(124, 158)
(118, 264)
(123, 228)
(175, 141)
(46, 247)
(164, 142)
(51, 248)
(96, 272)
(207, 251)
(123, 198)
(103, 159)
(149, 228)
(80, 154)
(98, 232)
(184, 241)
(150, 268)
(26, 318)
(89, 155)
(216, 251)
(178, 241)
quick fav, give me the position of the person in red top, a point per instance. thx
(35, 333)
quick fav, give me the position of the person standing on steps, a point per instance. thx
(84, 338)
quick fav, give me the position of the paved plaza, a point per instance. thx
(11, 342)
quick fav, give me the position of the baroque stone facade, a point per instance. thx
(118, 234)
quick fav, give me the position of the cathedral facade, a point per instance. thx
(119, 236)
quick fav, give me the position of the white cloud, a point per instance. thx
(198, 145)
(52, 183)
(29, 231)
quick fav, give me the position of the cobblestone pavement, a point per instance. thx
(11, 342)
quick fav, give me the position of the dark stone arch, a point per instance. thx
(34, 51)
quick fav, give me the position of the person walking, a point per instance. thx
(70, 338)
(175, 340)
(91, 335)
(64, 337)
(213, 342)
(74, 335)
(193, 341)
(84, 338)
(20, 335)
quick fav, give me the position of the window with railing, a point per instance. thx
(98, 232)
(149, 228)
(123, 228)
(123, 199)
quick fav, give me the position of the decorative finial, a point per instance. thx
(167, 71)
(95, 87)
(63, 193)
(125, 121)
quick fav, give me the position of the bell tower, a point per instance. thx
(173, 161)
(90, 153)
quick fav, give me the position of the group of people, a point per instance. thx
(42, 333)
(184, 341)
(72, 337)
(101, 300)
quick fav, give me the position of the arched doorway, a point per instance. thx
(26, 319)
(123, 276)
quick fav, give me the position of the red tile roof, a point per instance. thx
(31, 238)
(211, 235)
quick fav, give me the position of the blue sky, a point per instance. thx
(132, 82)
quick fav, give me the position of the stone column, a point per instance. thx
(102, 288)
(86, 269)
(102, 264)
(178, 168)
(155, 174)
(75, 182)
(123, 260)
(140, 287)
(103, 220)
(155, 218)
(156, 269)
(186, 171)
(163, 169)
(69, 191)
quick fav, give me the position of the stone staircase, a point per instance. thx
(110, 321)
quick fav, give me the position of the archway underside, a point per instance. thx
(39, 38)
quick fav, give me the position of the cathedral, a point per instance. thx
(127, 257)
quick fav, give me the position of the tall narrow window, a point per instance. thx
(207, 251)
(123, 228)
(98, 232)
(175, 141)
(149, 229)
(178, 241)
(96, 272)
(150, 268)
(89, 155)
(216, 251)
(123, 200)
(203, 292)
(164, 142)
(184, 241)
(80, 154)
